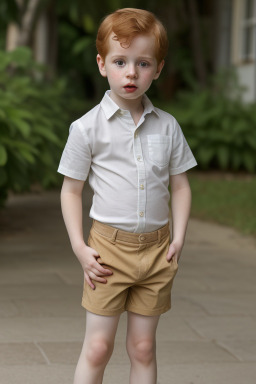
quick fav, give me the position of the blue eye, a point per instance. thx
(144, 64)
(119, 63)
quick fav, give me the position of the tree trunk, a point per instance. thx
(12, 36)
(196, 42)
(27, 22)
(38, 31)
(21, 35)
(53, 41)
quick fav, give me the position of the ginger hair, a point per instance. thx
(126, 24)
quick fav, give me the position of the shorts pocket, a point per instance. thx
(102, 245)
(89, 240)
(159, 149)
(174, 264)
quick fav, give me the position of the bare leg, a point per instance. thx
(97, 348)
(141, 348)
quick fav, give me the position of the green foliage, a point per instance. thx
(34, 118)
(220, 129)
(214, 199)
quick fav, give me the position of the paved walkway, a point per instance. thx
(209, 336)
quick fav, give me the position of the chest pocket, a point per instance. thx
(159, 149)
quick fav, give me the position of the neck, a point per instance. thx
(135, 107)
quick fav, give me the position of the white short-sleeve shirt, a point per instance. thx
(128, 166)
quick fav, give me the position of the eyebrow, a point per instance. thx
(140, 57)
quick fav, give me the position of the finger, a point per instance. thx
(97, 278)
(94, 253)
(170, 254)
(98, 273)
(102, 270)
(88, 280)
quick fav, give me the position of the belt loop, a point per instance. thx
(113, 237)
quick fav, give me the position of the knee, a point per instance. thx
(142, 351)
(98, 352)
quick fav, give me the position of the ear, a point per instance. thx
(101, 65)
(159, 69)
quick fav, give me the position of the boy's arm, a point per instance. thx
(180, 207)
(71, 204)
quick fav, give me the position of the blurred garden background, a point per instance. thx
(49, 77)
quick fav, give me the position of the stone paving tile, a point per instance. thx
(116, 373)
(214, 278)
(173, 328)
(8, 309)
(213, 373)
(50, 307)
(224, 236)
(61, 352)
(120, 356)
(72, 277)
(217, 278)
(220, 283)
(39, 291)
(242, 304)
(244, 350)
(40, 262)
(186, 283)
(30, 248)
(122, 328)
(57, 266)
(20, 354)
(28, 277)
(192, 352)
(42, 329)
(224, 328)
(184, 306)
(38, 374)
(221, 261)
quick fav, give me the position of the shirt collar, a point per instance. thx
(110, 107)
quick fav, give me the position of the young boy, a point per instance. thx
(131, 151)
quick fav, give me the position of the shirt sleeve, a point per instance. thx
(76, 157)
(182, 157)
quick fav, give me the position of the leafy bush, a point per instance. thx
(220, 129)
(34, 118)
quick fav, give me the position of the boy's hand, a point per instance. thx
(174, 251)
(92, 268)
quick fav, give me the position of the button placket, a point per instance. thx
(141, 203)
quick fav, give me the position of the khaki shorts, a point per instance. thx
(142, 277)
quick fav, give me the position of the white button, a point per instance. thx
(121, 112)
(141, 214)
(139, 158)
(142, 186)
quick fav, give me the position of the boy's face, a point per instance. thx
(130, 71)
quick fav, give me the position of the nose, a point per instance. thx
(131, 71)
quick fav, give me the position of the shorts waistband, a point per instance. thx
(131, 237)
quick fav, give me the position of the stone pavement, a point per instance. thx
(209, 336)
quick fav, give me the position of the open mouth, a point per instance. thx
(130, 87)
